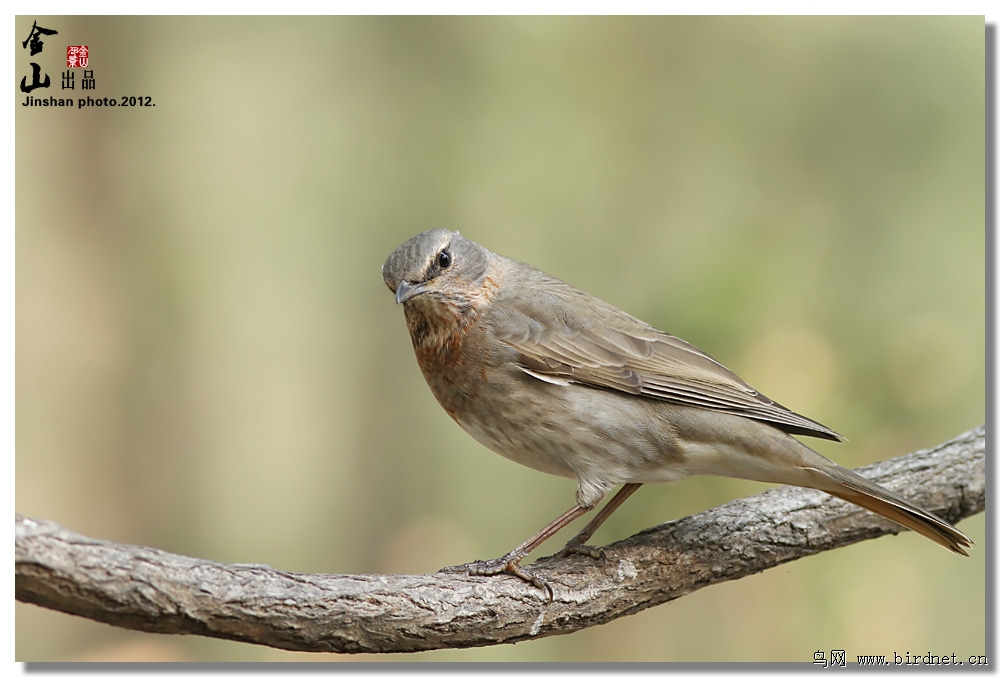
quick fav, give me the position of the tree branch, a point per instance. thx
(147, 589)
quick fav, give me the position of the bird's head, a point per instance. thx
(436, 265)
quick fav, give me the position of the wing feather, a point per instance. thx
(607, 348)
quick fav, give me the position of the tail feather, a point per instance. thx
(855, 489)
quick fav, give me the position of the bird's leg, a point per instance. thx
(576, 544)
(509, 562)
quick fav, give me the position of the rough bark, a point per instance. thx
(147, 589)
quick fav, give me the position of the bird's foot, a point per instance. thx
(593, 551)
(575, 546)
(501, 565)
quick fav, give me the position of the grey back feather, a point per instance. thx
(607, 348)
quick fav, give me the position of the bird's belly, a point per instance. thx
(537, 453)
(593, 435)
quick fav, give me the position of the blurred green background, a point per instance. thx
(209, 363)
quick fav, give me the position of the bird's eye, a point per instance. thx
(444, 259)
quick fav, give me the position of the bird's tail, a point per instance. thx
(766, 454)
(854, 488)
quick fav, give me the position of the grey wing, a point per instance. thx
(607, 348)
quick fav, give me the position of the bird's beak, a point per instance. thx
(406, 291)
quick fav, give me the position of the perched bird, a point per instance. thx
(551, 377)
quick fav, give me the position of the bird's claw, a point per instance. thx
(572, 548)
(501, 565)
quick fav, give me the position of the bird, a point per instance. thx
(555, 379)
